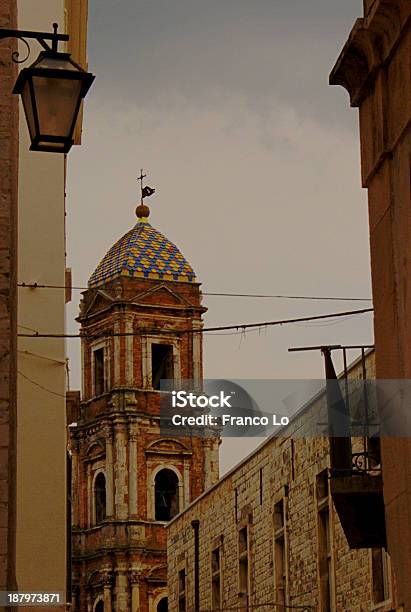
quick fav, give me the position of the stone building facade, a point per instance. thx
(41, 546)
(375, 68)
(8, 297)
(269, 537)
(139, 321)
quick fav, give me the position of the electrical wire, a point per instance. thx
(241, 295)
(29, 328)
(289, 297)
(307, 325)
(38, 286)
(36, 384)
(322, 324)
(42, 357)
(239, 327)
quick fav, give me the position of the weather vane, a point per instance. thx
(146, 191)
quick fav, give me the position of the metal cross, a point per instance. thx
(140, 178)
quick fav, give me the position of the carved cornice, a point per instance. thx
(370, 46)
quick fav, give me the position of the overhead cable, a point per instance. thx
(237, 326)
(213, 294)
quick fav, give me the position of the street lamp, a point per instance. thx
(51, 89)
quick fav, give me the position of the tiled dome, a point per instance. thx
(143, 253)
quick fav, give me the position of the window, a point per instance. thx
(100, 497)
(99, 606)
(99, 378)
(380, 575)
(166, 495)
(280, 555)
(162, 605)
(243, 559)
(182, 590)
(161, 364)
(216, 581)
(325, 560)
(322, 487)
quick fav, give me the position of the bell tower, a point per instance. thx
(141, 321)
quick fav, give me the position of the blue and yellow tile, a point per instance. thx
(143, 252)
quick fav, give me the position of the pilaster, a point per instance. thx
(186, 477)
(74, 484)
(109, 472)
(120, 470)
(132, 471)
(129, 343)
(117, 348)
(121, 589)
(107, 589)
(135, 580)
(197, 354)
(89, 495)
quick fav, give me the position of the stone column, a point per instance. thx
(84, 388)
(151, 495)
(132, 472)
(135, 578)
(89, 603)
(109, 472)
(186, 477)
(83, 593)
(129, 359)
(74, 484)
(145, 362)
(197, 355)
(120, 471)
(116, 356)
(89, 495)
(75, 598)
(107, 588)
(82, 486)
(121, 588)
(211, 461)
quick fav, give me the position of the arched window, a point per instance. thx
(100, 498)
(166, 492)
(99, 607)
(162, 605)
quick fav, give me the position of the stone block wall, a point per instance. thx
(283, 469)
(8, 297)
(375, 68)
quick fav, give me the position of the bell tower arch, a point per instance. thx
(141, 322)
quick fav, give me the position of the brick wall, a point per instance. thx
(8, 298)
(123, 558)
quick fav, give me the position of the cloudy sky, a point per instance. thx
(255, 161)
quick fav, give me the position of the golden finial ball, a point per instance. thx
(142, 211)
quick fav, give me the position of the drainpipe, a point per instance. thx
(196, 526)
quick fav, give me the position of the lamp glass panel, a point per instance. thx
(28, 108)
(56, 101)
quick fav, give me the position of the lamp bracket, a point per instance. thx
(41, 38)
